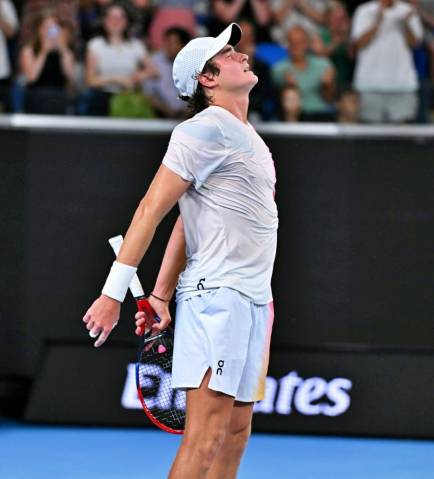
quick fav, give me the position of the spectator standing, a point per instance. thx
(114, 62)
(162, 90)
(48, 65)
(384, 33)
(224, 12)
(172, 13)
(312, 75)
(8, 28)
(262, 102)
(335, 39)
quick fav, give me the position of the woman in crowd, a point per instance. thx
(114, 61)
(48, 66)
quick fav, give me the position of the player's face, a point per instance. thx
(235, 73)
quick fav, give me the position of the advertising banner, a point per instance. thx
(306, 391)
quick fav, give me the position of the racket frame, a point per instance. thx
(144, 306)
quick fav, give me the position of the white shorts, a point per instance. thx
(390, 107)
(223, 330)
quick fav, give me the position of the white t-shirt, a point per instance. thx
(229, 213)
(8, 12)
(386, 63)
(117, 59)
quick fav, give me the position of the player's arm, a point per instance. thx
(165, 190)
(163, 193)
(173, 264)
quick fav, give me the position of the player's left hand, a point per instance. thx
(101, 318)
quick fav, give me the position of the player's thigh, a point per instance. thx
(207, 410)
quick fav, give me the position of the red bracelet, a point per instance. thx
(161, 299)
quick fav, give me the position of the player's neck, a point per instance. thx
(238, 106)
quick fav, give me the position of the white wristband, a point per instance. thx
(118, 281)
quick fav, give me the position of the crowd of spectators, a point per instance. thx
(317, 60)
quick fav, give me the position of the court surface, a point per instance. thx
(45, 452)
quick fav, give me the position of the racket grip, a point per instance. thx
(144, 306)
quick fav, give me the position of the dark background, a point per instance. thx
(355, 259)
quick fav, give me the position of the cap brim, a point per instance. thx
(235, 34)
(231, 35)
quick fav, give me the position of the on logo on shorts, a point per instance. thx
(220, 365)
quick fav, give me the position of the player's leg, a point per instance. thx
(207, 421)
(227, 461)
(251, 388)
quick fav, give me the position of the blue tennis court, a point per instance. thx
(43, 452)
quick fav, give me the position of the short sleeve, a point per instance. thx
(9, 13)
(139, 48)
(416, 26)
(94, 45)
(196, 150)
(362, 22)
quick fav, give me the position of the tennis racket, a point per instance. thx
(164, 406)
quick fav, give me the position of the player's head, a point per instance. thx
(208, 66)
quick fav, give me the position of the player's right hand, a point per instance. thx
(161, 310)
(101, 318)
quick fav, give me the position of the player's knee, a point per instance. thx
(238, 438)
(210, 445)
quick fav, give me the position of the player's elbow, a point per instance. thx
(148, 212)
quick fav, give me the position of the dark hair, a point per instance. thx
(38, 20)
(126, 32)
(200, 100)
(182, 34)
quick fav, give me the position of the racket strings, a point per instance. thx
(166, 405)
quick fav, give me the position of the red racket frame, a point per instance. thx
(144, 306)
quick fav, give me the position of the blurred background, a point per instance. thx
(318, 60)
(345, 104)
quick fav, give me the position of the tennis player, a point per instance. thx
(219, 257)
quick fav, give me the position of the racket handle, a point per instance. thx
(144, 306)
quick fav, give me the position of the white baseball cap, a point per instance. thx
(192, 58)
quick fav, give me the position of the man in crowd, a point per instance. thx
(384, 33)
